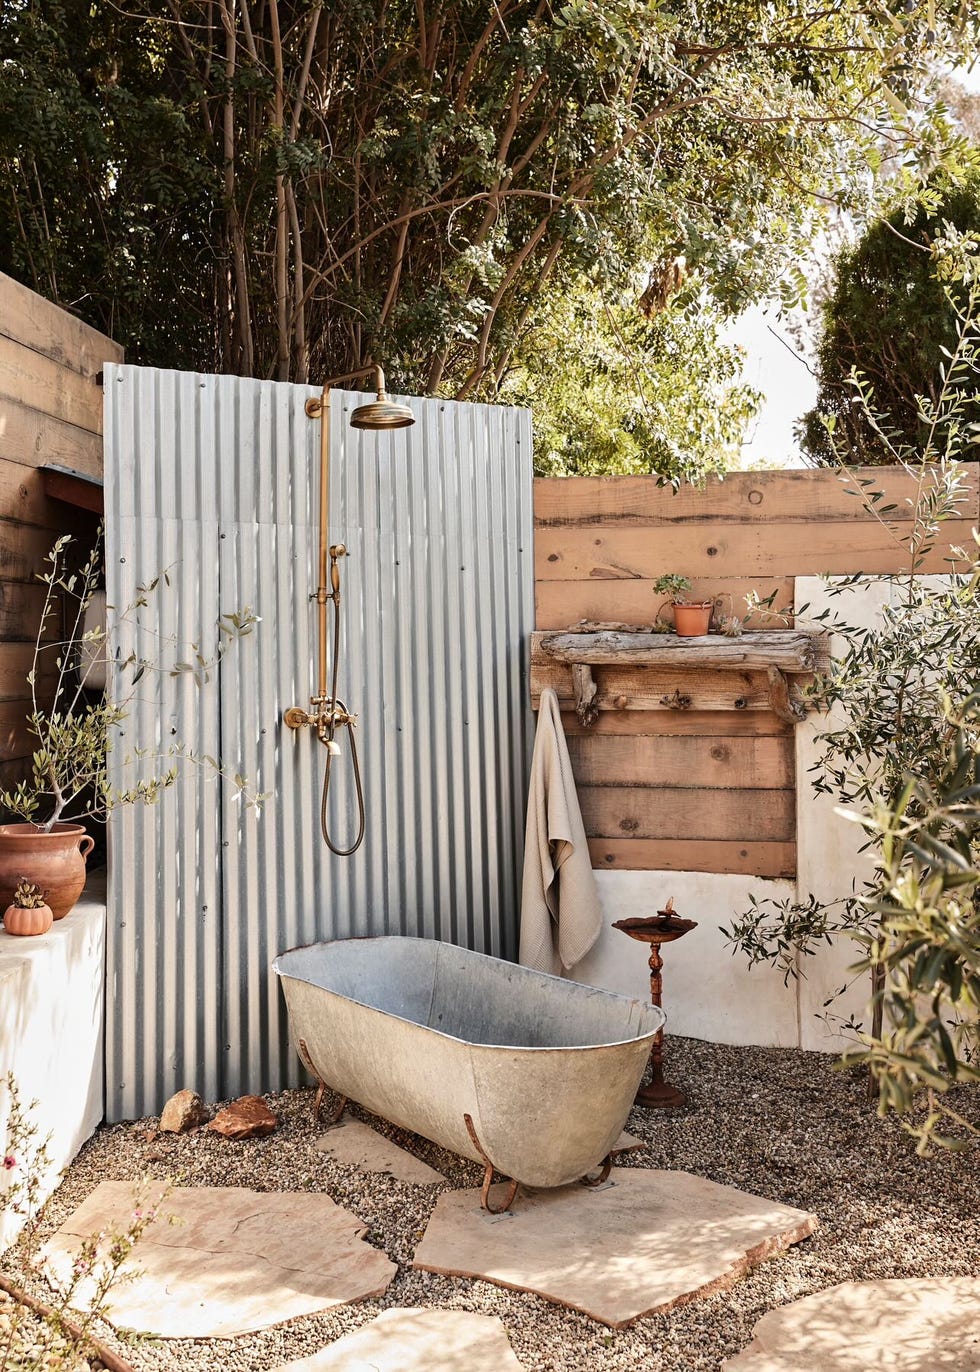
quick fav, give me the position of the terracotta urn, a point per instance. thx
(690, 621)
(17, 919)
(55, 860)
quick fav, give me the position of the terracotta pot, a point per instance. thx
(690, 621)
(55, 862)
(17, 920)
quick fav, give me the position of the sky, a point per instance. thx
(774, 366)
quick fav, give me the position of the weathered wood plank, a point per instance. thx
(747, 858)
(29, 319)
(73, 489)
(15, 742)
(34, 380)
(561, 604)
(21, 606)
(23, 498)
(668, 688)
(23, 549)
(12, 772)
(791, 650)
(742, 497)
(29, 437)
(680, 724)
(727, 763)
(841, 548)
(16, 660)
(661, 812)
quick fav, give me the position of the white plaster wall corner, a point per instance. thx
(709, 992)
(829, 860)
(51, 1032)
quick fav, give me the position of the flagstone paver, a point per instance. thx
(628, 1143)
(357, 1144)
(418, 1341)
(645, 1241)
(221, 1260)
(923, 1325)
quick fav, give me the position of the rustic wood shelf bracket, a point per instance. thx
(585, 688)
(784, 704)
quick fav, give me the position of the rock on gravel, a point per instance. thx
(246, 1118)
(775, 1122)
(183, 1112)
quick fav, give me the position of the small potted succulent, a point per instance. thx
(28, 912)
(691, 617)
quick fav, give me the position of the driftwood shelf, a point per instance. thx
(762, 662)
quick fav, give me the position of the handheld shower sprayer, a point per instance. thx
(327, 711)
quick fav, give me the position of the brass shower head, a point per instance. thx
(381, 413)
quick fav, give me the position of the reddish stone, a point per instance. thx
(246, 1118)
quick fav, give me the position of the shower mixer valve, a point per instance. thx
(324, 716)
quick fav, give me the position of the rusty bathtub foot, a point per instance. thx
(488, 1175)
(307, 1061)
(605, 1167)
(485, 1193)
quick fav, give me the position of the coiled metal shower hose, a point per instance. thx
(338, 707)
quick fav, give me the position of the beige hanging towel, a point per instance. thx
(560, 911)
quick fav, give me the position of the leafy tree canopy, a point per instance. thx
(614, 392)
(291, 189)
(890, 326)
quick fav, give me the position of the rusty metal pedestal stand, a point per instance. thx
(664, 927)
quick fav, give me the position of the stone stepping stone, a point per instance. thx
(357, 1144)
(627, 1143)
(645, 1241)
(218, 1261)
(922, 1325)
(418, 1341)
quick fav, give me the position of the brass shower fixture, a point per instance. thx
(327, 712)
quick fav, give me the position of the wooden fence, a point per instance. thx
(687, 769)
(50, 416)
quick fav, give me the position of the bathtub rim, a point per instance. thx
(489, 957)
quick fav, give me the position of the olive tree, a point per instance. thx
(900, 753)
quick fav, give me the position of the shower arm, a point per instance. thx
(318, 407)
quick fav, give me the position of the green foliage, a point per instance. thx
(293, 189)
(614, 392)
(901, 747)
(56, 1335)
(69, 767)
(924, 954)
(674, 585)
(889, 317)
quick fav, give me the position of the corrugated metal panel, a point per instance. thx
(216, 478)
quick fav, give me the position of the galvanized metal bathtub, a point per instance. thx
(528, 1074)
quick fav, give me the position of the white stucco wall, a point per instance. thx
(51, 1039)
(711, 993)
(708, 993)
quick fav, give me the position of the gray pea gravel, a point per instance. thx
(776, 1122)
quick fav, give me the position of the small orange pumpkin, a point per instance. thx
(17, 920)
(28, 914)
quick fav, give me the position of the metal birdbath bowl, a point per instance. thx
(656, 930)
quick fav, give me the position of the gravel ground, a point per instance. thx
(776, 1122)
(27, 1342)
